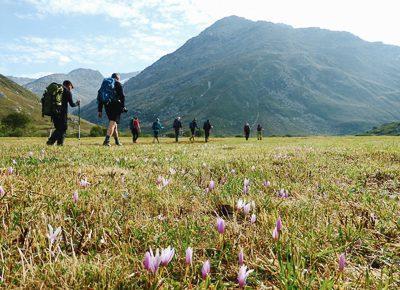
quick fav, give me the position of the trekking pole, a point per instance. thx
(79, 122)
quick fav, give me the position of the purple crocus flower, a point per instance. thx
(152, 262)
(266, 183)
(211, 185)
(167, 255)
(241, 257)
(10, 170)
(75, 196)
(14, 162)
(253, 218)
(246, 182)
(220, 225)
(84, 183)
(205, 270)
(342, 262)
(246, 189)
(247, 208)
(240, 204)
(283, 193)
(275, 234)
(242, 275)
(189, 256)
(279, 224)
(53, 234)
(2, 191)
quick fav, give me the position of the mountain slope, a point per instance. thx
(389, 129)
(86, 83)
(21, 80)
(293, 81)
(15, 98)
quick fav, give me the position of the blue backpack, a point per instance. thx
(107, 94)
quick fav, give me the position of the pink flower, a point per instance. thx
(189, 256)
(266, 183)
(162, 182)
(152, 262)
(2, 191)
(211, 185)
(10, 170)
(205, 270)
(75, 196)
(52, 235)
(242, 275)
(246, 189)
(279, 224)
(246, 182)
(247, 208)
(241, 257)
(275, 234)
(240, 204)
(342, 262)
(253, 218)
(84, 183)
(283, 193)
(167, 255)
(220, 225)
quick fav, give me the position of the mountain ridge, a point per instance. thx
(292, 80)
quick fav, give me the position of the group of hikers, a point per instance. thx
(111, 96)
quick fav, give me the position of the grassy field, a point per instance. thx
(343, 198)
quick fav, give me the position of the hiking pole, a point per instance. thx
(79, 122)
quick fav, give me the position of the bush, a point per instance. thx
(97, 131)
(15, 121)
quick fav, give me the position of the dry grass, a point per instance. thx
(343, 198)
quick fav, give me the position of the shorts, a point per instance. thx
(113, 111)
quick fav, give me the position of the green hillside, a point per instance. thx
(389, 129)
(293, 81)
(15, 98)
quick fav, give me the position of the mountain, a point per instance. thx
(389, 129)
(126, 76)
(292, 81)
(21, 80)
(86, 83)
(15, 98)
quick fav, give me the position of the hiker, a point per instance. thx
(246, 130)
(193, 126)
(259, 132)
(111, 96)
(156, 127)
(207, 128)
(59, 117)
(135, 128)
(177, 127)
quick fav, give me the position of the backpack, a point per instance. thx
(131, 127)
(107, 93)
(52, 100)
(192, 125)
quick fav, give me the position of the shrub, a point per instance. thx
(97, 131)
(15, 121)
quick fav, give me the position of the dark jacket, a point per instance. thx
(259, 128)
(193, 125)
(207, 126)
(67, 99)
(119, 91)
(246, 129)
(177, 125)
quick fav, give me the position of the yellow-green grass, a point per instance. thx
(343, 198)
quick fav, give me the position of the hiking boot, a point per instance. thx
(107, 143)
(49, 143)
(117, 142)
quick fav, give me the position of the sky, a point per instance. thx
(39, 37)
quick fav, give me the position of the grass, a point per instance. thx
(343, 198)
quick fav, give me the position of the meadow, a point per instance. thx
(301, 213)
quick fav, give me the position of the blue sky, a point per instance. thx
(38, 37)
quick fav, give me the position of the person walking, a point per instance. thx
(156, 127)
(177, 125)
(246, 130)
(259, 132)
(60, 117)
(193, 126)
(111, 97)
(135, 128)
(207, 128)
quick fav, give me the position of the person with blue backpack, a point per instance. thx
(111, 97)
(156, 127)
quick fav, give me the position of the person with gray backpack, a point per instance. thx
(55, 104)
(111, 97)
